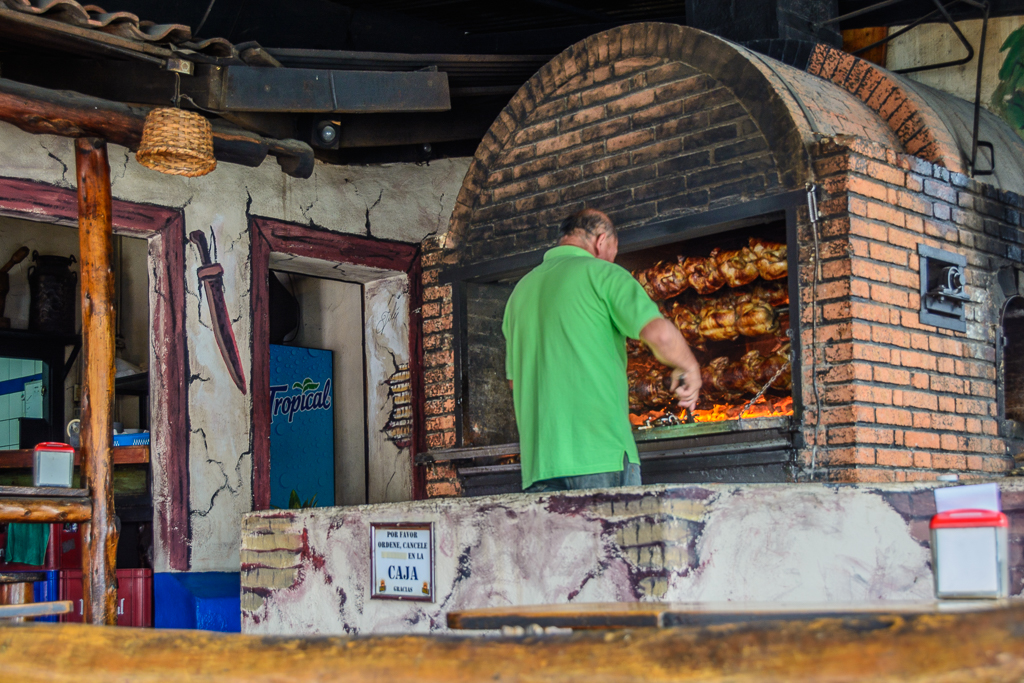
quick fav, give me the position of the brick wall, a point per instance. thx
(640, 139)
(901, 400)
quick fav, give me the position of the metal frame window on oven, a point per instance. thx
(943, 297)
(782, 442)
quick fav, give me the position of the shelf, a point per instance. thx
(39, 337)
(123, 455)
(42, 492)
(132, 385)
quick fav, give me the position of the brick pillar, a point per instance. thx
(443, 481)
(901, 400)
(438, 368)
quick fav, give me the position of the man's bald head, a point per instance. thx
(587, 223)
(593, 231)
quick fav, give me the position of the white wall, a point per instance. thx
(398, 201)
(47, 239)
(387, 364)
(936, 43)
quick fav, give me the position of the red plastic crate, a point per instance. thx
(134, 596)
(69, 546)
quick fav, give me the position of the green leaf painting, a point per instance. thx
(1008, 98)
(296, 503)
(306, 385)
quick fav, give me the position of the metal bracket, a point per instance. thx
(943, 296)
(943, 11)
(179, 66)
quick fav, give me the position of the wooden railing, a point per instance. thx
(94, 505)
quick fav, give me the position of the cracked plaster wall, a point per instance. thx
(404, 202)
(308, 572)
(387, 353)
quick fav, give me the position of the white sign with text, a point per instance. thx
(402, 557)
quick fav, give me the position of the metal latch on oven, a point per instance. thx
(950, 285)
(943, 294)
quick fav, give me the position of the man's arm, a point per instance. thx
(670, 348)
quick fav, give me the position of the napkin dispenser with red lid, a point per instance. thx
(53, 464)
(969, 554)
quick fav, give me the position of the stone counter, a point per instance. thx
(308, 571)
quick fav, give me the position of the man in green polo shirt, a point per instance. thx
(565, 330)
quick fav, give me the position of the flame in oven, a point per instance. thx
(763, 407)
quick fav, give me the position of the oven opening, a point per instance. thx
(724, 280)
(728, 294)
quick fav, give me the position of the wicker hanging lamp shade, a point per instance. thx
(177, 142)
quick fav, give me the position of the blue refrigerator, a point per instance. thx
(301, 425)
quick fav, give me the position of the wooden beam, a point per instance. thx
(45, 510)
(619, 615)
(95, 240)
(253, 88)
(69, 114)
(471, 453)
(985, 646)
(243, 88)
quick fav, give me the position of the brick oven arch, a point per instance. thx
(777, 102)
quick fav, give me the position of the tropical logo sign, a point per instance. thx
(311, 396)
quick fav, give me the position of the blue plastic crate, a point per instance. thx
(131, 439)
(47, 591)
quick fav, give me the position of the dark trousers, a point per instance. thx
(629, 475)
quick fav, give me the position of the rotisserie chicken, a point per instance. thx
(713, 378)
(687, 320)
(648, 384)
(737, 267)
(754, 318)
(742, 377)
(774, 293)
(718, 320)
(771, 258)
(703, 274)
(663, 280)
(772, 364)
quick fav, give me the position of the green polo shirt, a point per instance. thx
(565, 331)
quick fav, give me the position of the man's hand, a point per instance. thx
(686, 386)
(669, 347)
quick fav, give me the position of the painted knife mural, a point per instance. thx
(211, 275)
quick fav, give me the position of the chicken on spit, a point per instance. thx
(648, 384)
(703, 274)
(755, 317)
(718, 319)
(772, 364)
(687, 320)
(772, 293)
(663, 280)
(771, 258)
(713, 380)
(737, 267)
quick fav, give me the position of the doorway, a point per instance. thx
(355, 298)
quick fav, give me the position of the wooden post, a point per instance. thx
(95, 241)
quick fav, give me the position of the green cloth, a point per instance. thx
(26, 543)
(565, 331)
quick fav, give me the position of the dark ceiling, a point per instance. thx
(447, 35)
(464, 26)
